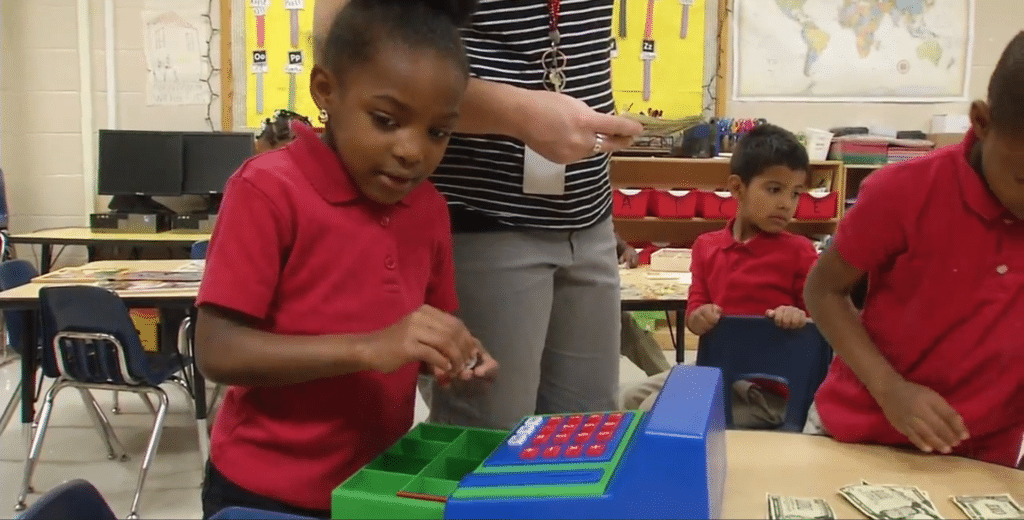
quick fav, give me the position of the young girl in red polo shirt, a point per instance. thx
(936, 359)
(329, 279)
(753, 266)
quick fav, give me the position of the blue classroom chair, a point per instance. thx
(746, 347)
(90, 342)
(72, 499)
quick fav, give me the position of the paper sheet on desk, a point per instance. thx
(637, 284)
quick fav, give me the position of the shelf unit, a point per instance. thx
(706, 174)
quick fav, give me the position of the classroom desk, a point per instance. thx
(642, 293)
(794, 464)
(74, 236)
(26, 297)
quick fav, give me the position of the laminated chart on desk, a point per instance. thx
(279, 52)
(666, 463)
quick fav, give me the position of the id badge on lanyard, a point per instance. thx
(541, 176)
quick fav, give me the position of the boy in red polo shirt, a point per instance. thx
(329, 279)
(753, 266)
(936, 358)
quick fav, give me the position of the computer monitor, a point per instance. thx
(136, 162)
(211, 157)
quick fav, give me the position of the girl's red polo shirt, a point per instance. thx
(945, 301)
(299, 248)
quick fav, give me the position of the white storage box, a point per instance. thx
(817, 143)
(675, 260)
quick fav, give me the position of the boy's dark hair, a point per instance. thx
(766, 146)
(1006, 88)
(363, 26)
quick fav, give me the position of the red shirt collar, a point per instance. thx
(324, 169)
(976, 192)
(761, 236)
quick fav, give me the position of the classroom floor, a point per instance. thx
(73, 449)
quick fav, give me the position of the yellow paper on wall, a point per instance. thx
(273, 82)
(677, 71)
(279, 57)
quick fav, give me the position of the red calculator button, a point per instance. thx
(596, 450)
(606, 427)
(529, 453)
(615, 422)
(587, 428)
(549, 429)
(561, 438)
(603, 436)
(569, 427)
(575, 420)
(555, 420)
(615, 417)
(552, 451)
(594, 419)
(573, 451)
(582, 438)
(540, 439)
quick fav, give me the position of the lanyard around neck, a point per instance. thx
(554, 15)
(554, 60)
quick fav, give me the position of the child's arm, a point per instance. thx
(232, 350)
(915, 410)
(701, 314)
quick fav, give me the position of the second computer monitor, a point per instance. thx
(210, 158)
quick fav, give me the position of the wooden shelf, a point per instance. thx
(684, 231)
(708, 174)
(864, 166)
(669, 172)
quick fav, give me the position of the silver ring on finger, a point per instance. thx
(598, 144)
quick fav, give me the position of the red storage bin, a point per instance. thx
(717, 205)
(631, 203)
(818, 205)
(675, 203)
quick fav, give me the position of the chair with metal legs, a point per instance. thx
(91, 343)
(14, 273)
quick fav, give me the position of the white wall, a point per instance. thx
(996, 21)
(41, 98)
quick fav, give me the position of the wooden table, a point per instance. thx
(646, 290)
(26, 298)
(800, 465)
(75, 236)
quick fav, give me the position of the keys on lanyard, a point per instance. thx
(554, 60)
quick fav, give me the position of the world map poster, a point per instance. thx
(852, 50)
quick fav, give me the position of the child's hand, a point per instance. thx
(704, 318)
(629, 257)
(481, 367)
(923, 416)
(788, 317)
(428, 335)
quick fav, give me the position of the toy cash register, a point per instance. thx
(666, 463)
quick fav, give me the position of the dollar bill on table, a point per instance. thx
(879, 502)
(793, 508)
(988, 507)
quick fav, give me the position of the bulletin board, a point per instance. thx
(279, 50)
(676, 63)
